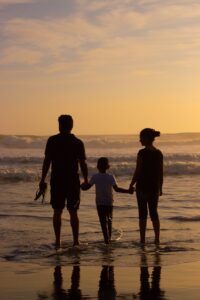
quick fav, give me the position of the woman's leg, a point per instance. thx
(153, 210)
(156, 227)
(143, 212)
(142, 225)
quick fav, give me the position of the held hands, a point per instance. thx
(131, 189)
(85, 186)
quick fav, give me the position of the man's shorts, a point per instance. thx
(65, 195)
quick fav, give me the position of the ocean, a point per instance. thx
(26, 225)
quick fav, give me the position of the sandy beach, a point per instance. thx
(30, 281)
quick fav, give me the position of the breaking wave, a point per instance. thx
(21, 156)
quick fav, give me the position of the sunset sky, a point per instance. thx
(116, 66)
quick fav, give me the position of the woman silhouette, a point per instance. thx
(148, 177)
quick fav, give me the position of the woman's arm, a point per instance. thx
(137, 171)
(161, 172)
(122, 190)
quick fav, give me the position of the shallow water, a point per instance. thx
(26, 225)
(27, 234)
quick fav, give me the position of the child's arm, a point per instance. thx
(87, 185)
(122, 190)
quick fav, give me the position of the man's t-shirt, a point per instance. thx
(150, 175)
(104, 191)
(65, 151)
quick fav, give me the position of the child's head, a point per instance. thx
(148, 135)
(103, 164)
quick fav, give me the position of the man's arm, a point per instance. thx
(84, 170)
(45, 169)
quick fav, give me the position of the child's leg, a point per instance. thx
(103, 221)
(109, 218)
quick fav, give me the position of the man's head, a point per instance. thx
(65, 123)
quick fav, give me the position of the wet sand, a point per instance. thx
(31, 281)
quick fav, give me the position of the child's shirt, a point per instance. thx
(104, 183)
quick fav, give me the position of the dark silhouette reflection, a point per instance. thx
(150, 283)
(107, 255)
(74, 292)
(107, 284)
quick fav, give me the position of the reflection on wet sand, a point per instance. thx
(106, 288)
(107, 284)
(59, 293)
(150, 283)
(74, 292)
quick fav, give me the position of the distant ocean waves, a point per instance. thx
(38, 142)
(186, 140)
(26, 168)
(21, 156)
(22, 141)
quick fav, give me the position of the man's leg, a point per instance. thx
(57, 225)
(74, 220)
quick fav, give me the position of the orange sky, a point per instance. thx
(116, 66)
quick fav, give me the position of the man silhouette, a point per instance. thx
(65, 153)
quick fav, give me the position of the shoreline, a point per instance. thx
(33, 281)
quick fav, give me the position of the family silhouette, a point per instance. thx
(65, 153)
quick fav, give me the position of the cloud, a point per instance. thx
(7, 2)
(52, 34)
(142, 39)
(97, 6)
(17, 55)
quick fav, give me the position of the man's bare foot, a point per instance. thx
(76, 243)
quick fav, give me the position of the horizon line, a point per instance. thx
(96, 134)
